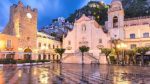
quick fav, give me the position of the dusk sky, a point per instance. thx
(47, 9)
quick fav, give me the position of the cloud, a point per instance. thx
(4, 14)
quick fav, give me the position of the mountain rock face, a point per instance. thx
(136, 8)
(98, 10)
(132, 8)
(94, 8)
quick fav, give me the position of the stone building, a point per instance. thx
(22, 37)
(86, 32)
(134, 32)
(23, 24)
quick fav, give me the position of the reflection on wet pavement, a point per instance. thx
(74, 74)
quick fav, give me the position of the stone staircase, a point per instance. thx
(77, 58)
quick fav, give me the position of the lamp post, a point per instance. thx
(122, 46)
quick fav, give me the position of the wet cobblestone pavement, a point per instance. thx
(74, 74)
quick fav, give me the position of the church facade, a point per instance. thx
(86, 32)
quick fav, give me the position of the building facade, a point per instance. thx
(134, 32)
(86, 32)
(22, 37)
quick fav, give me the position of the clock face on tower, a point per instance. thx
(29, 15)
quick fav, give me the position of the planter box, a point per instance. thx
(1, 65)
(27, 64)
(19, 65)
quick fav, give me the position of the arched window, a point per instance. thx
(39, 45)
(84, 28)
(115, 22)
(49, 46)
(53, 46)
(100, 40)
(69, 42)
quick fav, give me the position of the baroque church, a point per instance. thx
(133, 32)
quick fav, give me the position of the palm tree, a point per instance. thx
(131, 54)
(83, 49)
(142, 51)
(107, 52)
(60, 51)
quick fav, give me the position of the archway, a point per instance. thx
(115, 21)
(27, 55)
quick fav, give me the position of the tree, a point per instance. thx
(99, 12)
(107, 52)
(131, 54)
(83, 49)
(60, 51)
(117, 51)
(142, 51)
(136, 8)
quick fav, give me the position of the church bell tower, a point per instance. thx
(116, 20)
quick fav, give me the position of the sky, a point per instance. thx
(47, 9)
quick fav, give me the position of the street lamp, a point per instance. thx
(122, 46)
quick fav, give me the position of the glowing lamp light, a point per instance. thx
(29, 15)
(2, 44)
(121, 46)
(44, 48)
(20, 49)
(19, 73)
